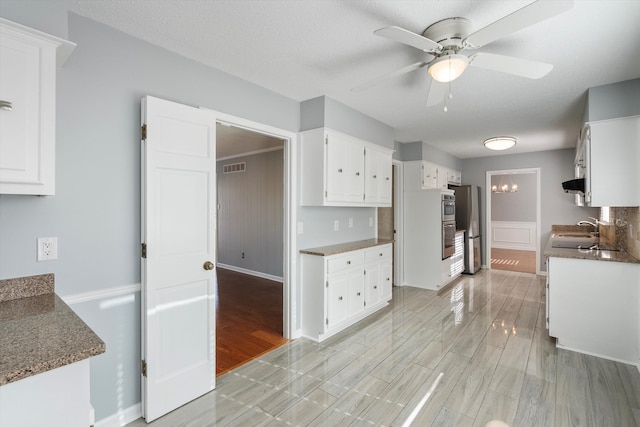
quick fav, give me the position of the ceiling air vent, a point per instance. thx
(234, 167)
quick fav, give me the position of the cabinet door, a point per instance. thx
(337, 298)
(377, 184)
(373, 284)
(386, 275)
(430, 175)
(356, 292)
(344, 169)
(27, 132)
(442, 174)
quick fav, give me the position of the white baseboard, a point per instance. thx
(122, 417)
(251, 272)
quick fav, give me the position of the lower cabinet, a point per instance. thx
(339, 290)
(593, 307)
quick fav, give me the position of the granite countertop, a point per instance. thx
(599, 255)
(345, 247)
(38, 331)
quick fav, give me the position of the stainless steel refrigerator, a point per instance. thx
(468, 218)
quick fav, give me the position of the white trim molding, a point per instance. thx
(101, 294)
(251, 272)
(513, 235)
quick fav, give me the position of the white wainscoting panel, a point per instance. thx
(513, 235)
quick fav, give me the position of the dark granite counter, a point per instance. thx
(345, 247)
(594, 255)
(38, 331)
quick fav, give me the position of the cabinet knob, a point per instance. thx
(358, 294)
(357, 173)
(380, 253)
(387, 178)
(387, 279)
(348, 262)
(339, 298)
(6, 106)
(375, 287)
(340, 170)
(375, 176)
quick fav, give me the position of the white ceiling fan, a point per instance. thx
(448, 38)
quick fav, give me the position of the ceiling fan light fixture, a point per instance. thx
(500, 142)
(448, 68)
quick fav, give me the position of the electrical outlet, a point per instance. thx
(350, 222)
(300, 227)
(336, 225)
(370, 222)
(47, 248)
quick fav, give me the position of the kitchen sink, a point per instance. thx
(574, 240)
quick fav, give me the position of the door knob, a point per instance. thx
(208, 265)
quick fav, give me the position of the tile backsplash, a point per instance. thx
(622, 229)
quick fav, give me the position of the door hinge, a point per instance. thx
(326, 139)
(327, 285)
(143, 132)
(325, 194)
(143, 368)
(365, 303)
(144, 250)
(327, 321)
(547, 320)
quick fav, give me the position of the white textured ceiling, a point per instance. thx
(307, 48)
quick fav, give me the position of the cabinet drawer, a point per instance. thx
(342, 262)
(377, 253)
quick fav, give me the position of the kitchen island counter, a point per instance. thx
(587, 254)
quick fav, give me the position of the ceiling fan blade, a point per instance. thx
(436, 92)
(509, 64)
(537, 11)
(401, 71)
(407, 37)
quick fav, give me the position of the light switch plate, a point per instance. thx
(336, 225)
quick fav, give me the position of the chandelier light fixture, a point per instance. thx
(500, 142)
(504, 188)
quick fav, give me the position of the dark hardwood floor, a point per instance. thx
(248, 318)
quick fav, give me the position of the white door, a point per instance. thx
(178, 279)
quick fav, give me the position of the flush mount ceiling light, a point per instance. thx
(448, 68)
(500, 142)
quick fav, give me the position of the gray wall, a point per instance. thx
(620, 99)
(96, 210)
(437, 156)
(519, 206)
(251, 214)
(555, 166)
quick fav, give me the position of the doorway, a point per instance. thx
(250, 245)
(513, 220)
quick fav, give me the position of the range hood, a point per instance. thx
(574, 186)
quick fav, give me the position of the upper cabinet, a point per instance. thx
(608, 157)
(424, 175)
(341, 170)
(27, 108)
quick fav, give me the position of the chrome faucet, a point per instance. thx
(595, 224)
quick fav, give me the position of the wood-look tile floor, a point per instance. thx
(513, 260)
(485, 334)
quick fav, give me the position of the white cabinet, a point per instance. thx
(452, 267)
(339, 290)
(27, 109)
(378, 274)
(593, 307)
(341, 170)
(378, 171)
(59, 397)
(611, 154)
(424, 175)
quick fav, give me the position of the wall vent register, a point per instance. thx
(234, 167)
